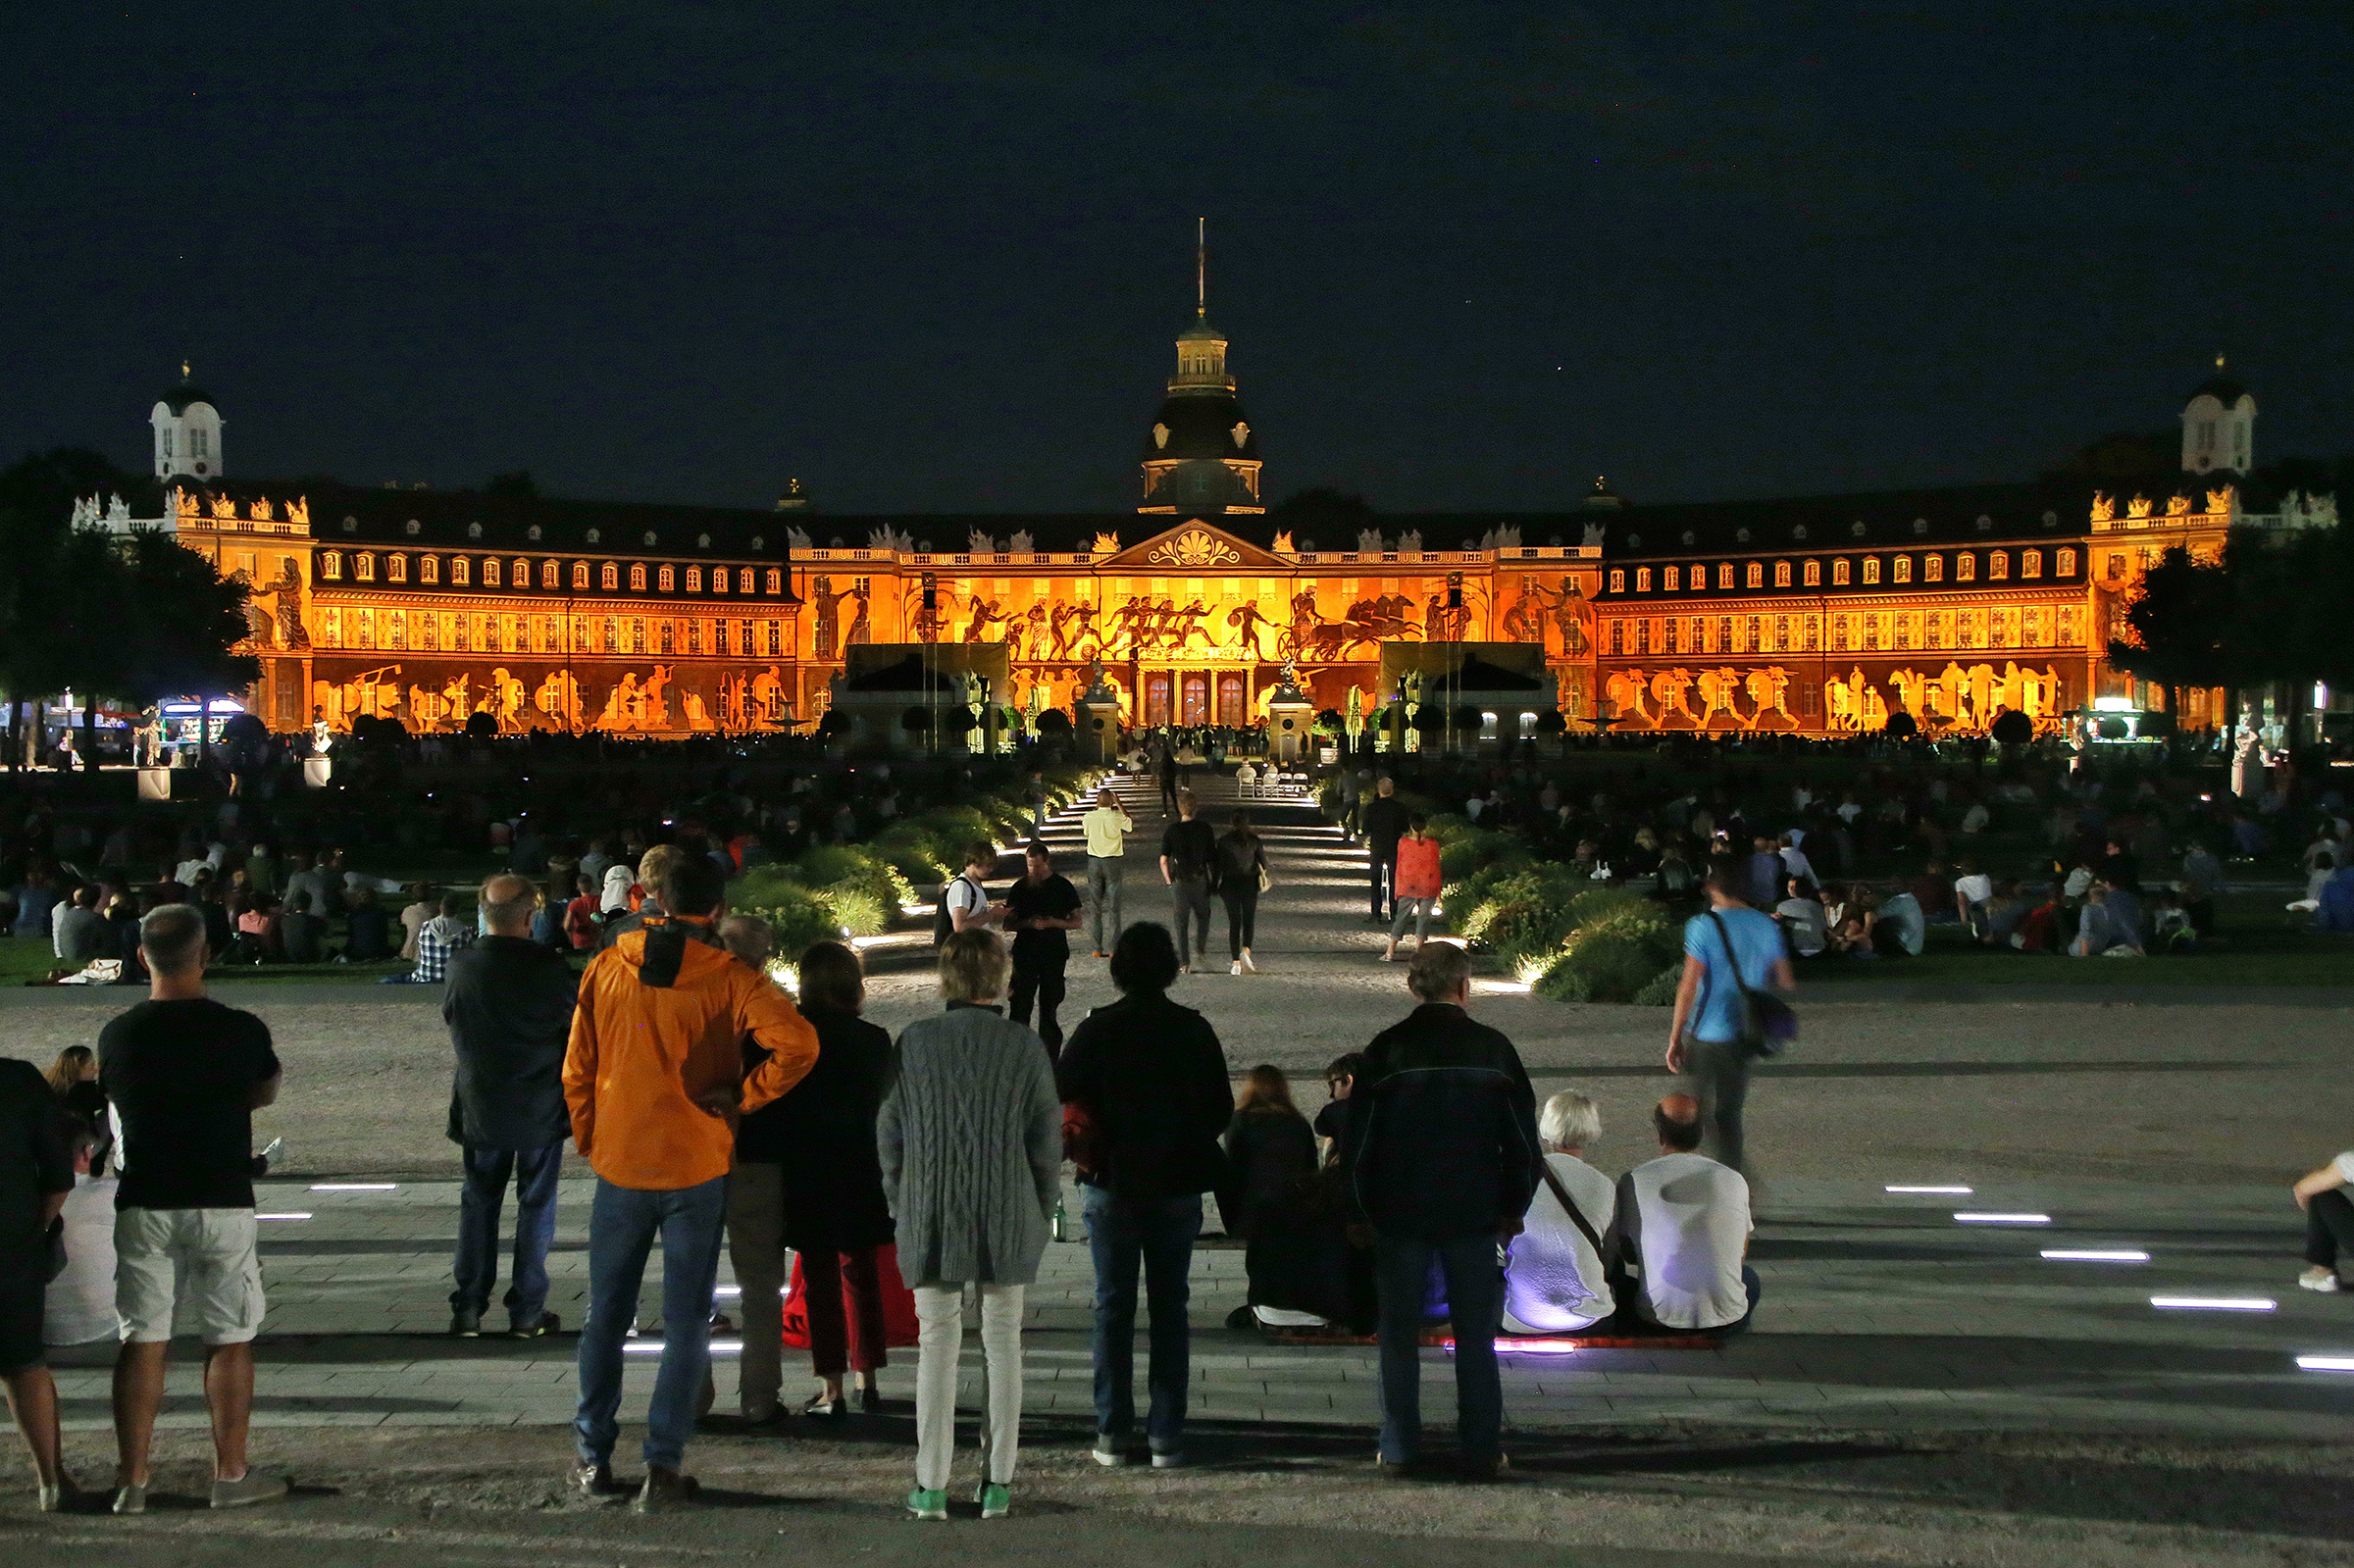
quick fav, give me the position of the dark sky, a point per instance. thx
(1469, 254)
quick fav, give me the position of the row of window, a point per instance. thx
(492, 573)
(445, 632)
(1893, 631)
(1672, 579)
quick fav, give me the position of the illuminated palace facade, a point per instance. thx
(1814, 616)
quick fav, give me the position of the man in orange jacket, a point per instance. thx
(654, 1080)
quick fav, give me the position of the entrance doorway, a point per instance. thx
(1156, 701)
(1196, 707)
(1232, 710)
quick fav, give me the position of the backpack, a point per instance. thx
(944, 921)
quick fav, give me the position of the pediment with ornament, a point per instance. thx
(1195, 545)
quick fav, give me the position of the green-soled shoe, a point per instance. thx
(930, 1502)
(994, 1500)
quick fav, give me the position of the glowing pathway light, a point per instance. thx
(355, 1187)
(2327, 1363)
(2090, 1255)
(1944, 1192)
(1971, 1217)
(654, 1347)
(2213, 1303)
(281, 1216)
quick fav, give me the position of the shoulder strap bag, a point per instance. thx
(1577, 1216)
(1768, 1025)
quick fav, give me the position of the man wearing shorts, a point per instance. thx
(186, 1075)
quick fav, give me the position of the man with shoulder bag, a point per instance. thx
(1728, 1006)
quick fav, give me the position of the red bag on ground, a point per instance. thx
(898, 1302)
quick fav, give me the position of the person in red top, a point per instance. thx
(580, 916)
(1414, 883)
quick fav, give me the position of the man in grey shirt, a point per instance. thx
(80, 933)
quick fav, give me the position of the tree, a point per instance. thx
(1551, 721)
(1053, 721)
(2013, 727)
(178, 622)
(2181, 625)
(1902, 725)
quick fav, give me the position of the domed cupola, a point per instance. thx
(1202, 454)
(187, 431)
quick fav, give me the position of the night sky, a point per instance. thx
(933, 258)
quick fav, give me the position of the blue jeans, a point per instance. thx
(475, 1266)
(1160, 1235)
(1475, 1308)
(622, 1227)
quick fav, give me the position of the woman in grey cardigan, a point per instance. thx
(971, 1140)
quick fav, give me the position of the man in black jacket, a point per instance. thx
(1149, 1077)
(1384, 824)
(1442, 1159)
(509, 1006)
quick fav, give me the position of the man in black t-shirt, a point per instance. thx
(36, 1172)
(1039, 909)
(186, 1075)
(1189, 852)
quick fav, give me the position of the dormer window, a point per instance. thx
(1858, 528)
(1966, 566)
(429, 569)
(1799, 533)
(1618, 586)
(1781, 574)
(396, 568)
(1932, 569)
(1985, 523)
(2064, 564)
(523, 574)
(1839, 577)
(489, 571)
(1902, 570)
(330, 565)
(1643, 580)
(1871, 569)
(756, 544)
(1813, 573)
(474, 530)
(702, 541)
(547, 574)
(1673, 579)
(363, 567)
(593, 536)
(2031, 563)
(533, 534)
(1755, 577)
(650, 540)
(609, 578)
(459, 569)
(694, 578)
(667, 579)
(351, 525)
(580, 574)
(776, 580)
(638, 578)
(1921, 527)
(1724, 574)
(1998, 564)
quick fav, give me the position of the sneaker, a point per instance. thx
(1111, 1453)
(464, 1325)
(994, 1499)
(2323, 1280)
(250, 1488)
(1249, 968)
(548, 1323)
(48, 1497)
(1235, 968)
(129, 1499)
(928, 1503)
(664, 1489)
(593, 1479)
(1168, 1458)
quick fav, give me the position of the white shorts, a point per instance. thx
(204, 1258)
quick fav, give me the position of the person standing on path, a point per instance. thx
(1241, 864)
(1728, 949)
(1150, 1077)
(509, 1006)
(1107, 828)
(654, 1081)
(970, 1137)
(1166, 769)
(1416, 879)
(1041, 909)
(185, 1076)
(36, 1174)
(1383, 822)
(1442, 1159)
(1189, 865)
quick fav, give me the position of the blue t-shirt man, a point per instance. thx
(1755, 949)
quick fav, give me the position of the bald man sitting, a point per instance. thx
(1679, 1240)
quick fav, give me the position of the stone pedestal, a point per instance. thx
(316, 771)
(1098, 728)
(1288, 727)
(155, 783)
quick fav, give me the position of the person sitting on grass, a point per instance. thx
(1679, 1241)
(1804, 921)
(1900, 931)
(2328, 1224)
(301, 935)
(2112, 923)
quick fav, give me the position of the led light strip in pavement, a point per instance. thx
(2213, 1303)
(2327, 1363)
(355, 1187)
(2067, 1254)
(654, 1347)
(1967, 1218)
(281, 1216)
(1943, 1191)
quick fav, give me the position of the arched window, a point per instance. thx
(638, 583)
(1814, 574)
(547, 574)
(1781, 574)
(1966, 566)
(1901, 569)
(667, 581)
(1839, 577)
(1755, 577)
(489, 571)
(1998, 564)
(330, 565)
(609, 576)
(2031, 563)
(694, 580)
(396, 570)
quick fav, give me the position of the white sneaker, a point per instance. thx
(2320, 1279)
(1249, 968)
(1235, 968)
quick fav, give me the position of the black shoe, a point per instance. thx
(870, 1401)
(665, 1490)
(548, 1323)
(464, 1325)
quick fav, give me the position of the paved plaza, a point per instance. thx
(1916, 1389)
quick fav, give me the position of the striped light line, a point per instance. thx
(2123, 1254)
(1944, 1192)
(355, 1187)
(2327, 1363)
(654, 1347)
(281, 1216)
(1974, 1218)
(2214, 1303)
(727, 1289)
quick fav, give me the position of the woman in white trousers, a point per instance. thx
(971, 1143)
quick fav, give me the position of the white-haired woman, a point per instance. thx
(971, 1140)
(1554, 1283)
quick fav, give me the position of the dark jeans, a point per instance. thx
(2329, 1228)
(475, 1266)
(1384, 864)
(1038, 973)
(1242, 916)
(1193, 911)
(1475, 1308)
(1160, 1235)
(623, 1225)
(1716, 1074)
(838, 1341)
